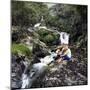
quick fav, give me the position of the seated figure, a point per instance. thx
(63, 53)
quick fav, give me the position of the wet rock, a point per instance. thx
(18, 66)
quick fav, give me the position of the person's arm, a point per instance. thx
(65, 53)
(60, 52)
(57, 51)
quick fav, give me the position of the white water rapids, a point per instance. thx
(36, 70)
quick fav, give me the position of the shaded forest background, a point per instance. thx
(68, 18)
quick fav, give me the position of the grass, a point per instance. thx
(21, 49)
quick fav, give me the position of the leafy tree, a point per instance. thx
(71, 19)
(27, 13)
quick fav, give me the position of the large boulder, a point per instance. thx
(48, 36)
(40, 49)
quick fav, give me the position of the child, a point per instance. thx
(64, 53)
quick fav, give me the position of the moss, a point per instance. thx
(21, 49)
(43, 32)
(47, 37)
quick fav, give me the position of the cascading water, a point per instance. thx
(36, 70)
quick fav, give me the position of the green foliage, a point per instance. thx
(64, 17)
(43, 32)
(47, 36)
(21, 49)
(27, 13)
(18, 34)
(71, 19)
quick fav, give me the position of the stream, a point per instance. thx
(29, 75)
(36, 71)
(24, 75)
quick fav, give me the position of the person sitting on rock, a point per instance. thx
(63, 53)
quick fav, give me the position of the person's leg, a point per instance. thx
(65, 59)
(64, 62)
(59, 60)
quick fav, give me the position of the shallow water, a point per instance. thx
(36, 70)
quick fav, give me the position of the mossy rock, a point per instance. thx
(47, 36)
(43, 32)
(21, 49)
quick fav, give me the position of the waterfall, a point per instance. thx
(64, 38)
(36, 70)
(25, 81)
(48, 58)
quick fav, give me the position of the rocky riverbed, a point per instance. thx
(57, 75)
